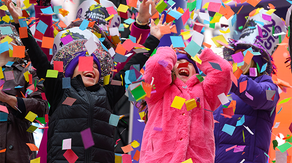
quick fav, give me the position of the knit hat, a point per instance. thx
(188, 58)
(257, 34)
(71, 66)
(75, 48)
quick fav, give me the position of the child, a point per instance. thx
(92, 108)
(254, 107)
(13, 125)
(175, 135)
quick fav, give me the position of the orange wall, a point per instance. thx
(285, 116)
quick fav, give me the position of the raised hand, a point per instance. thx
(155, 29)
(15, 11)
(144, 14)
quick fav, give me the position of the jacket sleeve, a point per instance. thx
(53, 86)
(216, 81)
(257, 89)
(136, 32)
(159, 68)
(116, 92)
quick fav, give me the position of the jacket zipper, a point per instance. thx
(90, 113)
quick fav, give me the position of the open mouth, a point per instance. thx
(184, 72)
(89, 75)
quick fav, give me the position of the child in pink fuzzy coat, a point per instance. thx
(174, 135)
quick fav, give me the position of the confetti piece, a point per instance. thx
(32, 147)
(229, 129)
(127, 148)
(70, 156)
(284, 101)
(87, 138)
(247, 128)
(66, 144)
(69, 101)
(30, 116)
(178, 102)
(232, 147)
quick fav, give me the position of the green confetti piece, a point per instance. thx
(284, 147)
(275, 144)
(258, 67)
(224, 106)
(289, 31)
(41, 119)
(284, 101)
(273, 30)
(200, 78)
(280, 39)
(240, 28)
(154, 52)
(212, 25)
(243, 136)
(272, 111)
(191, 5)
(267, 155)
(289, 140)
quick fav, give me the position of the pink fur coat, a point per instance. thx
(174, 135)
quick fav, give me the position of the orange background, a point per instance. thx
(285, 116)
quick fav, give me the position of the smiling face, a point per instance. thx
(89, 78)
(184, 70)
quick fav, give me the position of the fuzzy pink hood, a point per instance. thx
(185, 134)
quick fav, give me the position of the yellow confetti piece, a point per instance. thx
(206, 5)
(270, 11)
(109, 18)
(135, 144)
(191, 104)
(10, 53)
(197, 59)
(55, 32)
(215, 19)
(243, 136)
(98, 35)
(126, 25)
(30, 116)
(37, 160)
(1, 73)
(26, 3)
(186, 35)
(178, 102)
(181, 11)
(7, 39)
(3, 7)
(106, 80)
(26, 76)
(6, 18)
(192, 15)
(220, 38)
(123, 8)
(234, 67)
(284, 101)
(142, 114)
(188, 161)
(227, 31)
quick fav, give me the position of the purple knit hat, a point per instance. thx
(71, 66)
(188, 58)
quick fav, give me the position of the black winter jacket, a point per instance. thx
(92, 108)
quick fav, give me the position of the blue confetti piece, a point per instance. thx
(129, 21)
(215, 66)
(280, 110)
(233, 20)
(4, 47)
(28, 91)
(6, 30)
(261, 23)
(56, 9)
(241, 121)
(175, 14)
(193, 48)
(19, 86)
(84, 24)
(66, 83)
(114, 120)
(9, 63)
(47, 10)
(42, 27)
(264, 67)
(240, 64)
(3, 117)
(199, 4)
(177, 41)
(133, 39)
(228, 129)
(22, 23)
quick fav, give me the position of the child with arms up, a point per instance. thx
(92, 108)
(183, 134)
